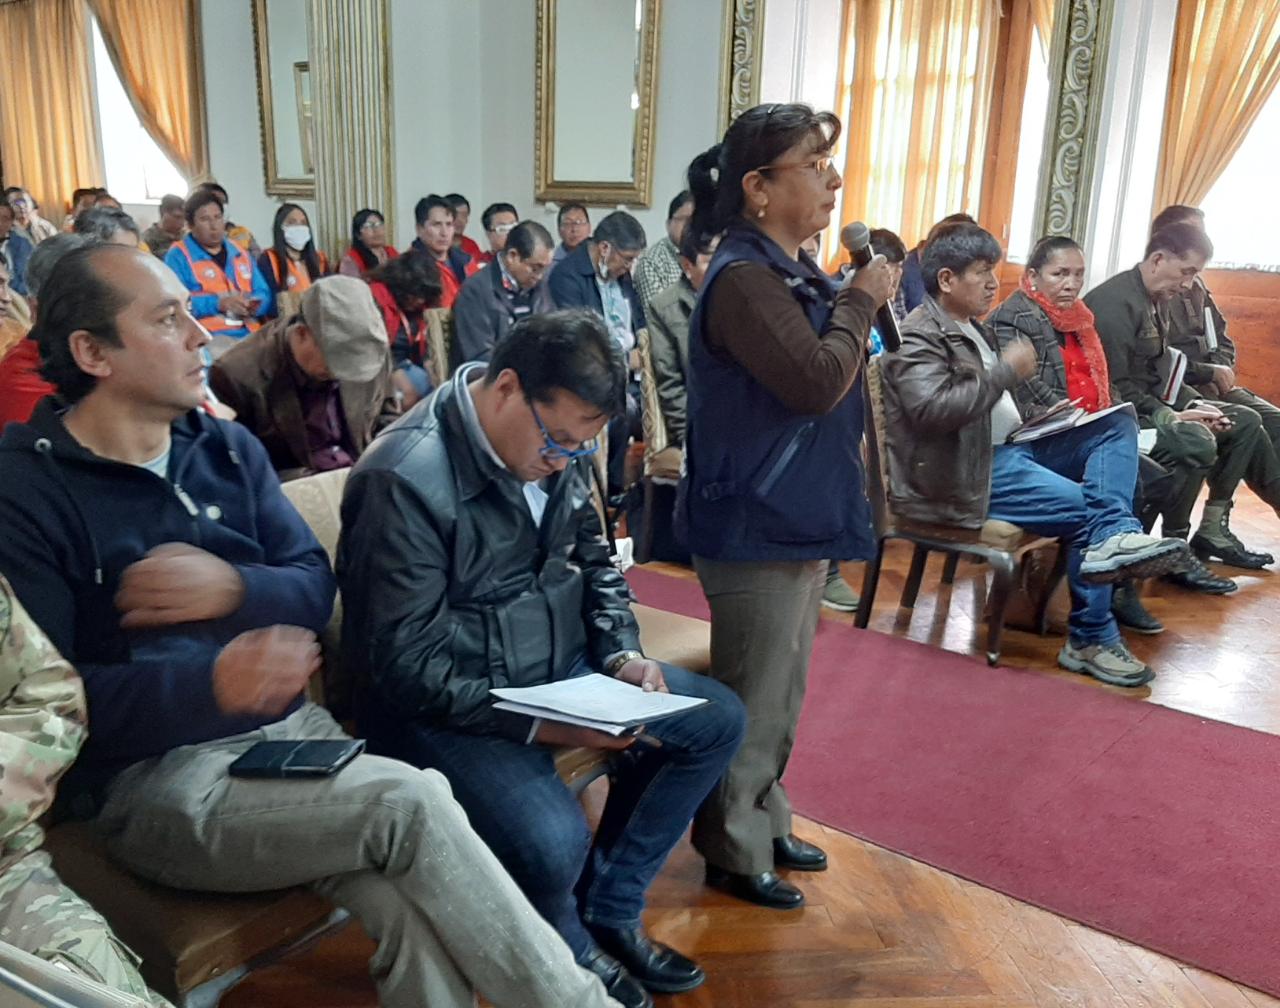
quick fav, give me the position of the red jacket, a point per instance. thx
(21, 386)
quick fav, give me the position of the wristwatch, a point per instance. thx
(614, 664)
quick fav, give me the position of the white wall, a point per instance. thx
(480, 141)
(231, 92)
(462, 93)
(1132, 117)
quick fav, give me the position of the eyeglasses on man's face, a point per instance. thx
(502, 228)
(570, 222)
(553, 449)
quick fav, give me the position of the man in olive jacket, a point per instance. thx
(1131, 314)
(948, 414)
(471, 558)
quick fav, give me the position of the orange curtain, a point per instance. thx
(155, 46)
(1226, 63)
(1042, 18)
(914, 93)
(48, 126)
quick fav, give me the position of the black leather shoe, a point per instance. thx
(658, 967)
(1129, 611)
(618, 983)
(1232, 553)
(1199, 578)
(791, 852)
(766, 889)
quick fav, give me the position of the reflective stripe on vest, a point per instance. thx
(213, 280)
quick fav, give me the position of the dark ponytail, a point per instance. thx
(755, 139)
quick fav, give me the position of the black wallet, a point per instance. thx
(302, 758)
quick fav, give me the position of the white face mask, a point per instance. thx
(297, 236)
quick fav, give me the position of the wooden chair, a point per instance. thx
(662, 460)
(1002, 545)
(439, 344)
(195, 946)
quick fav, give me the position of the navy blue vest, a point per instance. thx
(762, 482)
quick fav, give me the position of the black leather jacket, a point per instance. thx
(448, 587)
(937, 402)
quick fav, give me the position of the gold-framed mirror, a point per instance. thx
(595, 90)
(282, 44)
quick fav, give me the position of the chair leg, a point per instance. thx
(1003, 576)
(644, 541)
(1055, 578)
(912, 587)
(870, 582)
(949, 568)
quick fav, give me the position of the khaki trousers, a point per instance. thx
(763, 618)
(380, 838)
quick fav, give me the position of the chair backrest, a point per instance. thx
(439, 340)
(654, 423)
(877, 466)
(318, 499)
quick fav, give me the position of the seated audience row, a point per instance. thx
(187, 592)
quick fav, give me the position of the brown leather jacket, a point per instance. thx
(254, 379)
(937, 402)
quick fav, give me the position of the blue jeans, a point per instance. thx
(1079, 485)
(538, 830)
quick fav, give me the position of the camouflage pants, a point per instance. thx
(40, 915)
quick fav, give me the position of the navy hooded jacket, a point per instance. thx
(73, 521)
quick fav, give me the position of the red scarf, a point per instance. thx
(1077, 320)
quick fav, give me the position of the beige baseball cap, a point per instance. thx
(345, 321)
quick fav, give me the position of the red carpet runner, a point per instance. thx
(1138, 820)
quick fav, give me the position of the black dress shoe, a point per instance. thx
(1129, 611)
(1199, 578)
(618, 983)
(791, 852)
(1231, 552)
(658, 967)
(765, 889)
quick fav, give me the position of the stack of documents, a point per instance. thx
(594, 701)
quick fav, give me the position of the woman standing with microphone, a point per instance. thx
(773, 487)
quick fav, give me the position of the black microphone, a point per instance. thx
(856, 238)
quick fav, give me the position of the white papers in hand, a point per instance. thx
(594, 701)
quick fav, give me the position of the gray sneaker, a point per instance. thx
(838, 595)
(1108, 663)
(1133, 555)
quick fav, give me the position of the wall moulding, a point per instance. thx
(1077, 65)
(741, 52)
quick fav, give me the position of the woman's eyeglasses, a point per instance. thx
(372, 225)
(819, 166)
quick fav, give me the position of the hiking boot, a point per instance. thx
(1214, 540)
(838, 595)
(1132, 555)
(1198, 578)
(1108, 663)
(1129, 611)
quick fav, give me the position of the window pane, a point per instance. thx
(137, 170)
(1241, 214)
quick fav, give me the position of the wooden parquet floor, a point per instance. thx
(882, 931)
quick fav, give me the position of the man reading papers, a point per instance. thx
(472, 559)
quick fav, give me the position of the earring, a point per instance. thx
(760, 213)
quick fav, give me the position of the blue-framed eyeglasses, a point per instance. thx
(552, 448)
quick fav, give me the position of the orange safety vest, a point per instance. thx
(297, 278)
(213, 280)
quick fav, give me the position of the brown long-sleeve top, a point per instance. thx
(753, 319)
